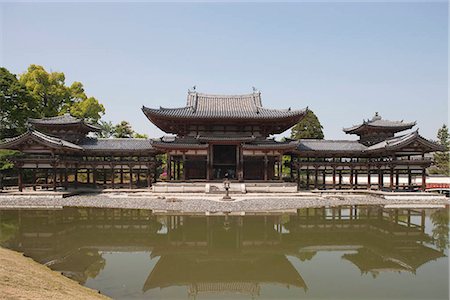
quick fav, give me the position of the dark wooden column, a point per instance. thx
(131, 176)
(46, 179)
(75, 181)
(104, 175)
(298, 173)
(391, 179)
(54, 178)
(169, 167)
(266, 162)
(397, 179)
(351, 178)
(34, 179)
(94, 176)
(340, 179)
(88, 175)
(149, 175)
(334, 177)
(184, 167)
(409, 178)
(380, 178)
(307, 177)
(66, 178)
(121, 175)
(424, 179)
(20, 178)
(356, 178)
(369, 178)
(316, 175)
(113, 175)
(324, 179)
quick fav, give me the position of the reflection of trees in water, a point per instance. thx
(440, 219)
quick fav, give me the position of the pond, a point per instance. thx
(341, 253)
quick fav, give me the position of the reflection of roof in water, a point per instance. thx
(189, 270)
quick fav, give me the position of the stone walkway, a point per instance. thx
(201, 203)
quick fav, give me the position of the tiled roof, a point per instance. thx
(206, 106)
(65, 119)
(401, 140)
(330, 145)
(179, 142)
(116, 144)
(34, 134)
(378, 122)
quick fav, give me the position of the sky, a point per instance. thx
(343, 60)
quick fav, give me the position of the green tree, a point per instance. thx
(308, 128)
(123, 130)
(107, 129)
(53, 97)
(440, 232)
(140, 135)
(441, 159)
(16, 104)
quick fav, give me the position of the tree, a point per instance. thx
(107, 129)
(16, 104)
(308, 128)
(441, 159)
(53, 97)
(140, 135)
(123, 130)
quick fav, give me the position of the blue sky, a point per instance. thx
(343, 60)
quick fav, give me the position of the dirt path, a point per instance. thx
(23, 278)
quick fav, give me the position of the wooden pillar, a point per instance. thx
(54, 179)
(324, 175)
(20, 179)
(316, 175)
(46, 179)
(34, 179)
(75, 181)
(280, 167)
(266, 162)
(356, 179)
(94, 176)
(298, 174)
(409, 179)
(149, 176)
(104, 175)
(397, 179)
(178, 169)
(113, 175)
(66, 178)
(380, 178)
(88, 175)
(169, 167)
(424, 179)
(184, 167)
(369, 177)
(391, 179)
(351, 178)
(307, 177)
(340, 179)
(334, 177)
(131, 176)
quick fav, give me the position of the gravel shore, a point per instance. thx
(207, 203)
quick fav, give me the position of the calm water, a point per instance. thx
(341, 253)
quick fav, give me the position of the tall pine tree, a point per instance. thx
(308, 128)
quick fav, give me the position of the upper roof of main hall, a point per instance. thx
(209, 106)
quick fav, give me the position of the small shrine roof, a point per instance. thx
(378, 122)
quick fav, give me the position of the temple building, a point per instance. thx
(218, 136)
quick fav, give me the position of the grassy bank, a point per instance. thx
(23, 278)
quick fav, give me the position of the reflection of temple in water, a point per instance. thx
(222, 253)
